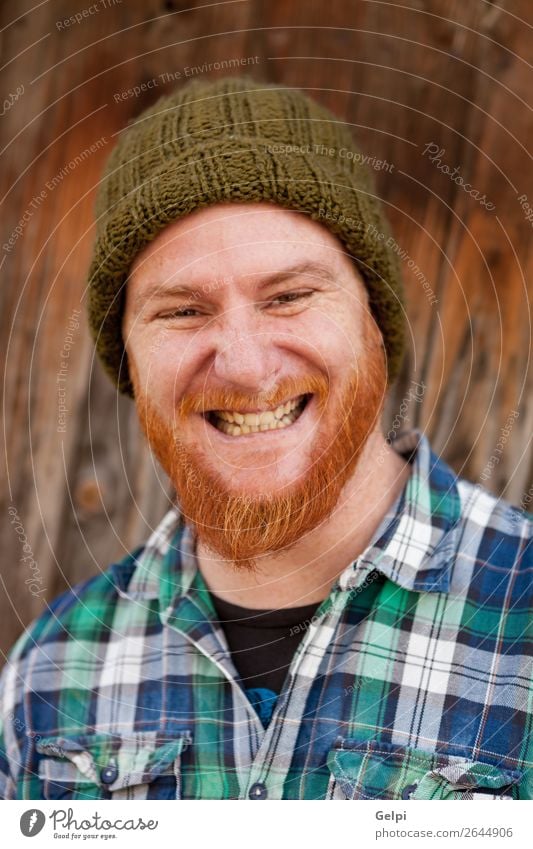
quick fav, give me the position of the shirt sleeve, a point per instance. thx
(7, 780)
(12, 725)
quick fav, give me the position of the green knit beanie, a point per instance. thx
(235, 140)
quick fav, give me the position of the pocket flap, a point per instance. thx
(112, 761)
(373, 770)
(477, 778)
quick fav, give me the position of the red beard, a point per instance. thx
(238, 526)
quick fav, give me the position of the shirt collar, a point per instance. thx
(414, 545)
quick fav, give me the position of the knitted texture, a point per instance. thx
(235, 140)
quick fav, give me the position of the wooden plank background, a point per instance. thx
(404, 74)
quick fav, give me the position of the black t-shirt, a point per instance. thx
(262, 644)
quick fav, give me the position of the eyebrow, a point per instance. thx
(311, 269)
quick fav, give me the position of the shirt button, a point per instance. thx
(257, 791)
(109, 773)
(407, 792)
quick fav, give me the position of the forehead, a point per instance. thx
(238, 240)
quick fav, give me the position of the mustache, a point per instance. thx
(230, 399)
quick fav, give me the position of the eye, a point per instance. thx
(185, 312)
(290, 297)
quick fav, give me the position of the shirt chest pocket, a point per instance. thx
(372, 770)
(141, 765)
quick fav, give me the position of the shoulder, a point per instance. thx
(83, 612)
(57, 663)
(56, 658)
(493, 558)
(503, 531)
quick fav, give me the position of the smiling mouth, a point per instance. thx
(235, 423)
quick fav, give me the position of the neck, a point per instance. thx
(305, 573)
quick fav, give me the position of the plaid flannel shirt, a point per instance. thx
(412, 681)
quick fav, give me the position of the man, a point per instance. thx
(323, 613)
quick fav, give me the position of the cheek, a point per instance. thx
(160, 363)
(333, 337)
(170, 372)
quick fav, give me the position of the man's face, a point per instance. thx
(258, 371)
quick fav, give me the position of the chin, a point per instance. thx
(258, 484)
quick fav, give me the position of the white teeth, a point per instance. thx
(260, 418)
(239, 424)
(251, 418)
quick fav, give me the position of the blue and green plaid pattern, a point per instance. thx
(412, 681)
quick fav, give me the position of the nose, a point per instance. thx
(247, 359)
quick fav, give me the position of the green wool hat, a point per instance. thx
(235, 140)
